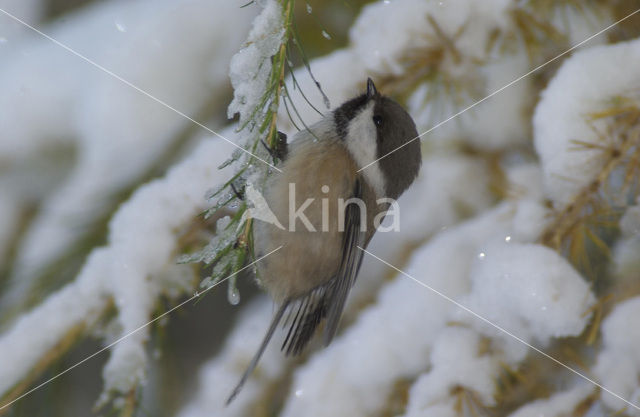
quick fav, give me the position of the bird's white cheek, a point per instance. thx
(361, 143)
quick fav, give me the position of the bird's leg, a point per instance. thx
(239, 194)
(280, 150)
(281, 147)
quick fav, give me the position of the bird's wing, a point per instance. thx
(307, 313)
(328, 300)
(352, 255)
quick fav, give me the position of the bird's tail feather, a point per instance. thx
(267, 337)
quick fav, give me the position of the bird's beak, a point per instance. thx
(371, 88)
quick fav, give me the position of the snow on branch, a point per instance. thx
(128, 271)
(570, 402)
(571, 134)
(618, 363)
(442, 56)
(117, 135)
(587, 135)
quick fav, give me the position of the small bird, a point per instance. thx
(337, 179)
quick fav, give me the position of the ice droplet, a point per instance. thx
(309, 9)
(222, 223)
(233, 295)
(206, 281)
(387, 1)
(481, 255)
(326, 35)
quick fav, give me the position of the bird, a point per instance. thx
(337, 182)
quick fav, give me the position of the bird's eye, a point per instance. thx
(377, 120)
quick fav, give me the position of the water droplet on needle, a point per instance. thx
(233, 295)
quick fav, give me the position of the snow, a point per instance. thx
(384, 53)
(618, 363)
(527, 290)
(531, 219)
(29, 11)
(559, 404)
(561, 115)
(524, 181)
(78, 303)
(251, 67)
(146, 251)
(455, 362)
(130, 270)
(378, 45)
(581, 23)
(444, 192)
(507, 109)
(167, 51)
(382, 47)
(530, 291)
(630, 222)
(494, 124)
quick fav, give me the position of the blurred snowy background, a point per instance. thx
(526, 211)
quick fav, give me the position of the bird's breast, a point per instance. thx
(308, 198)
